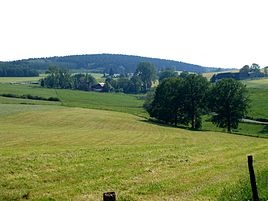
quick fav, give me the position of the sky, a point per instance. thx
(214, 33)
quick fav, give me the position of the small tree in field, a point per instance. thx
(147, 73)
(229, 100)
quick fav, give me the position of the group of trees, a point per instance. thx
(180, 100)
(17, 72)
(254, 68)
(63, 79)
(140, 82)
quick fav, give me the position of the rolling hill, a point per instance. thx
(104, 62)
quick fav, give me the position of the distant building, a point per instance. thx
(98, 87)
(236, 76)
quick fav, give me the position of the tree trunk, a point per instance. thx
(193, 121)
(229, 120)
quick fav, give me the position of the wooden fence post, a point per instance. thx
(255, 195)
(109, 196)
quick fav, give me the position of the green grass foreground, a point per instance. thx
(59, 153)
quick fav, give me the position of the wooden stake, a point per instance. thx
(255, 195)
(109, 196)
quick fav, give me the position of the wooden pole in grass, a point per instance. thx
(109, 196)
(255, 195)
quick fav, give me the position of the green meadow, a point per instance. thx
(258, 90)
(21, 79)
(74, 98)
(90, 143)
(259, 84)
(77, 154)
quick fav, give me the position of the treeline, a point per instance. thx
(63, 79)
(185, 100)
(140, 82)
(17, 72)
(104, 62)
(29, 96)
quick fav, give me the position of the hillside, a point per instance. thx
(74, 155)
(104, 62)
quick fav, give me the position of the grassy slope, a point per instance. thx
(259, 97)
(77, 154)
(106, 101)
(259, 84)
(21, 79)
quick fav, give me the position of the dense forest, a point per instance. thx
(104, 63)
(17, 72)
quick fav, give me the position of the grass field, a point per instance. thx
(77, 154)
(21, 79)
(74, 98)
(98, 76)
(49, 151)
(259, 97)
(257, 84)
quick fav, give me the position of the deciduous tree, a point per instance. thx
(229, 100)
(147, 72)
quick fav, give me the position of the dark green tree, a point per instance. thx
(147, 73)
(149, 98)
(83, 81)
(245, 69)
(184, 74)
(135, 85)
(167, 103)
(195, 98)
(167, 73)
(229, 101)
(255, 68)
(107, 86)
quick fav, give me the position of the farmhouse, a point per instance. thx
(98, 87)
(236, 76)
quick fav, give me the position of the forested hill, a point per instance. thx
(103, 62)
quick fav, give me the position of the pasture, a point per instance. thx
(258, 90)
(74, 98)
(21, 79)
(92, 142)
(59, 153)
(257, 84)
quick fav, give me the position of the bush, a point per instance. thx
(29, 96)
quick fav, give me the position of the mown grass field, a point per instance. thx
(257, 84)
(259, 97)
(77, 154)
(74, 98)
(21, 79)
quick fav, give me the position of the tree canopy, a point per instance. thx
(167, 73)
(17, 72)
(147, 73)
(180, 100)
(229, 101)
(62, 78)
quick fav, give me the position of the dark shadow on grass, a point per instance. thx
(265, 130)
(163, 124)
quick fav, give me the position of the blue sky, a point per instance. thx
(220, 33)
